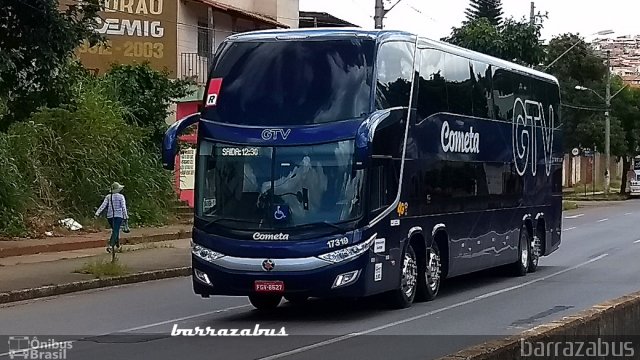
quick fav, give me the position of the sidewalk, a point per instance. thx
(54, 244)
(28, 274)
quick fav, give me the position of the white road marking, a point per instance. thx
(453, 306)
(602, 220)
(626, 214)
(573, 216)
(571, 228)
(153, 325)
(637, 242)
(184, 318)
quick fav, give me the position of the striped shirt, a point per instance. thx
(116, 206)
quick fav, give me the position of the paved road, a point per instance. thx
(596, 262)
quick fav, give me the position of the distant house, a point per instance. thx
(310, 19)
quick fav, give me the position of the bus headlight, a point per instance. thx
(204, 253)
(349, 252)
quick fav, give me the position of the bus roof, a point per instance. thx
(310, 33)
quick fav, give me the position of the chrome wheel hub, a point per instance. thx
(409, 275)
(535, 248)
(524, 256)
(433, 271)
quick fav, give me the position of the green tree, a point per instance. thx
(583, 112)
(626, 107)
(37, 39)
(147, 95)
(516, 41)
(487, 9)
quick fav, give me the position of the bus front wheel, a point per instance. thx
(403, 297)
(297, 299)
(265, 302)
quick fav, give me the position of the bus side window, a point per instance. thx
(503, 94)
(395, 66)
(457, 74)
(432, 93)
(384, 172)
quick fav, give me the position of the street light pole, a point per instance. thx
(607, 128)
(602, 32)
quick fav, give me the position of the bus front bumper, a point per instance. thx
(298, 276)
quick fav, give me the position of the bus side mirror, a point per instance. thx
(364, 138)
(170, 142)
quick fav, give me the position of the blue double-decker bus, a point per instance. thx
(350, 163)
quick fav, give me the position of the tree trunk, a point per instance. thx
(626, 164)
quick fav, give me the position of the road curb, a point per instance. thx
(611, 318)
(53, 290)
(90, 244)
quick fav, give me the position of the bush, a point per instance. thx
(147, 95)
(11, 193)
(63, 160)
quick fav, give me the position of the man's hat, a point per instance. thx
(116, 187)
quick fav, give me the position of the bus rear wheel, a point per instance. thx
(536, 249)
(265, 302)
(403, 297)
(429, 275)
(521, 267)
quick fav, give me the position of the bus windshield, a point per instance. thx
(249, 187)
(293, 82)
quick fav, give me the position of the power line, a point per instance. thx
(582, 107)
(420, 12)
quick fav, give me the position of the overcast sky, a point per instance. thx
(435, 18)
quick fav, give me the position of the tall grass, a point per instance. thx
(61, 163)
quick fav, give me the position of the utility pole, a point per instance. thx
(607, 128)
(381, 12)
(532, 16)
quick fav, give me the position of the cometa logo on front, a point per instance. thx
(459, 141)
(260, 236)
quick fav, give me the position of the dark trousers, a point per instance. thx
(115, 224)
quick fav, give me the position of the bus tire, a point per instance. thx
(296, 299)
(403, 297)
(521, 267)
(429, 274)
(534, 257)
(265, 302)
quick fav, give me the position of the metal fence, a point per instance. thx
(194, 66)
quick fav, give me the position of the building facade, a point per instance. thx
(625, 56)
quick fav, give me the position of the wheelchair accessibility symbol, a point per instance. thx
(281, 213)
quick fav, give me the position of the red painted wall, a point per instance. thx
(185, 109)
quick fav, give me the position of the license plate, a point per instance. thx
(269, 286)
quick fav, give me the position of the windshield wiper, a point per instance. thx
(215, 221)
(335, 226)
